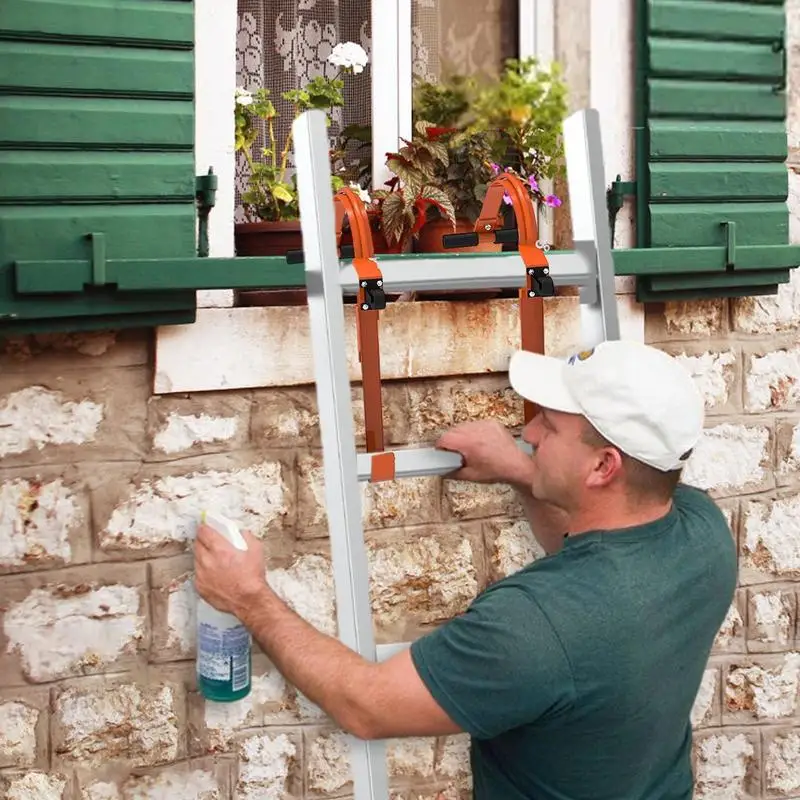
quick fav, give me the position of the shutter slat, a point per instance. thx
(89, 69)
(717, 139)
(698, 181)
(59, 232)
(731, 21)
(726, 60)
(710, 99)
(57, 177)
(95, 123)
(700, 225)
(162, 21)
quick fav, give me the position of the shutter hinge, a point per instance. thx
(205, 194)
(615, 198)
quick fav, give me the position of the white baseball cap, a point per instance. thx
(638, 397)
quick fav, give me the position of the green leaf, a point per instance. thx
(282, 192)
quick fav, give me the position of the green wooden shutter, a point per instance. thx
(711, 182)
(97, 167)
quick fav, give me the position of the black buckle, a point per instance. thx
(540, 284)
(374, 296)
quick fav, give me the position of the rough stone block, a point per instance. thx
(56, 352)
(196, 779)
(81, 621)
(269, 764)
(453, 763)
(731, 635)
(706, 711)
(214, 727)
(173, 606)
(386, 504)
(436, 406)
(403, 502)
(410, 759)
(769, 314)
(727, 764)
(716, 371)
(769, 539)
(155, 513)
(788, 453)
(782, 763)
(44, 522)
(470, 500)
(732, 459)
(772, 615)
(695, 319)
(194, 425)
(510, 545)
(290, 417)
(35, 785)
(328, 763)
(23, 728)
(305, 582)
(772, 380)
(762, 689)
(99, 721)
(423, 579)
(72, 416)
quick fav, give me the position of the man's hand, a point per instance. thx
(490, 453)
(226, 577)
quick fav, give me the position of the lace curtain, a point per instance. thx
(282, 44)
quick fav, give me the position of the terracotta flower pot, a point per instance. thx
(269, 239)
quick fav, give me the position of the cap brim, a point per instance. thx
(540, 379)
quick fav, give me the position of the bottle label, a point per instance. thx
(224, 654)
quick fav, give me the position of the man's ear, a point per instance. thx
(607, 466)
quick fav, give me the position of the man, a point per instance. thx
(576, 675)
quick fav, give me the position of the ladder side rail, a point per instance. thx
(586, 180)
(342, 489)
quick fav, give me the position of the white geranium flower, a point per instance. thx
(243, 97)
(349, 55)
(363, 194)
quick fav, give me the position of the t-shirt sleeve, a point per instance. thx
(497, 666)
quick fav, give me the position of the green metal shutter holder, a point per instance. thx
(711, 181)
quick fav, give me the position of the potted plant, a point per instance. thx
(402, 209)
(271, 197)
(511, 124)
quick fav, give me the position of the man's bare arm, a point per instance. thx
(492, 456)
(368, 700)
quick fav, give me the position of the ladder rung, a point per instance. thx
(470, 272)
(411, 462)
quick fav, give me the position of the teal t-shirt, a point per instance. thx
(576, 676)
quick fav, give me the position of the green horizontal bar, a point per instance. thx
(172, 274)
(716, 280)
(689, 260)
(168, 274)
(646, 295)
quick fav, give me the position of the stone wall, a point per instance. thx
(98, 486)
(745, 356)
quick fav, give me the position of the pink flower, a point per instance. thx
(532, 183)
(552, 201)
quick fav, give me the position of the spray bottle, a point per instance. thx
(224, 645)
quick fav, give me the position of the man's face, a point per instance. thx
(562, 459)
